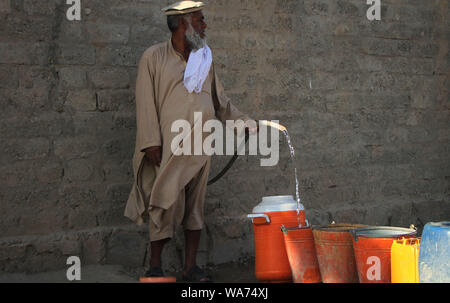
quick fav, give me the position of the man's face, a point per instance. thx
(198, 23)
(195, 30)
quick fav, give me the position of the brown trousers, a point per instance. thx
(186, 211)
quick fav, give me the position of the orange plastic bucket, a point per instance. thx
(301, 254)
(372, 248)
(334, 249)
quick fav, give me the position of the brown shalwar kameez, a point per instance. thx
(175, 191)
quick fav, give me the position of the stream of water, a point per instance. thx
(292, 152)
(283, 129)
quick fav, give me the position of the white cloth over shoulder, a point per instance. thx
(197, 69)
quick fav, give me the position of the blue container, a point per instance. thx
(434, 253)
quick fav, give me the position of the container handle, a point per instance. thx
(252, 216)
(353, 233)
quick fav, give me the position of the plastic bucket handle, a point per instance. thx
(285, 229)
(252, 216)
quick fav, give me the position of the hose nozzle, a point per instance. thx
(272, 124)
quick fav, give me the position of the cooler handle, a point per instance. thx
(252, 216)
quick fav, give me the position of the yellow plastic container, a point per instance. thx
(405, 261)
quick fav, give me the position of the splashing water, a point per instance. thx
(292, 151)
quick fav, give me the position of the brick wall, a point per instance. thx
(366, 104)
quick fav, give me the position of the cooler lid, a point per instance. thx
(277, 203)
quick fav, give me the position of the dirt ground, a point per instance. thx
(224, 273)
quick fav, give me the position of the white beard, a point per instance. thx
(193, 38)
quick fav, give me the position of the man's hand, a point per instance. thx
(154, 154)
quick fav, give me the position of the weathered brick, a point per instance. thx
(116, 56)
(82, 100)
(27, 149)
(320, 7)
(76, 54)
(71, 148)
(72, 77)
(224, 61)
(143, 12)
(114, 171)
(118, 253)
(36, 7)
(27, 28)
(79, 170)
(23, 53)
(71, 32)
(224, 40)
(35, 77)
(107, 33)
(119, 148)
(51, 124)
(80, 196)
(117, 192)
(5, 6)
(93, 248)
(17, 174)
(85, 122)
(8, 77)
(124, 121)
(148, 34)
(50, 173)
(282, 23)
(350, 9)
(115, 100)
(81, 219)
(110, 78)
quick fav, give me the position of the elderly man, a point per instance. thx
(175, 79)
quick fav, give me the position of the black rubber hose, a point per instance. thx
(230, 163)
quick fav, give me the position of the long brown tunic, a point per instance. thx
(161, 98)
